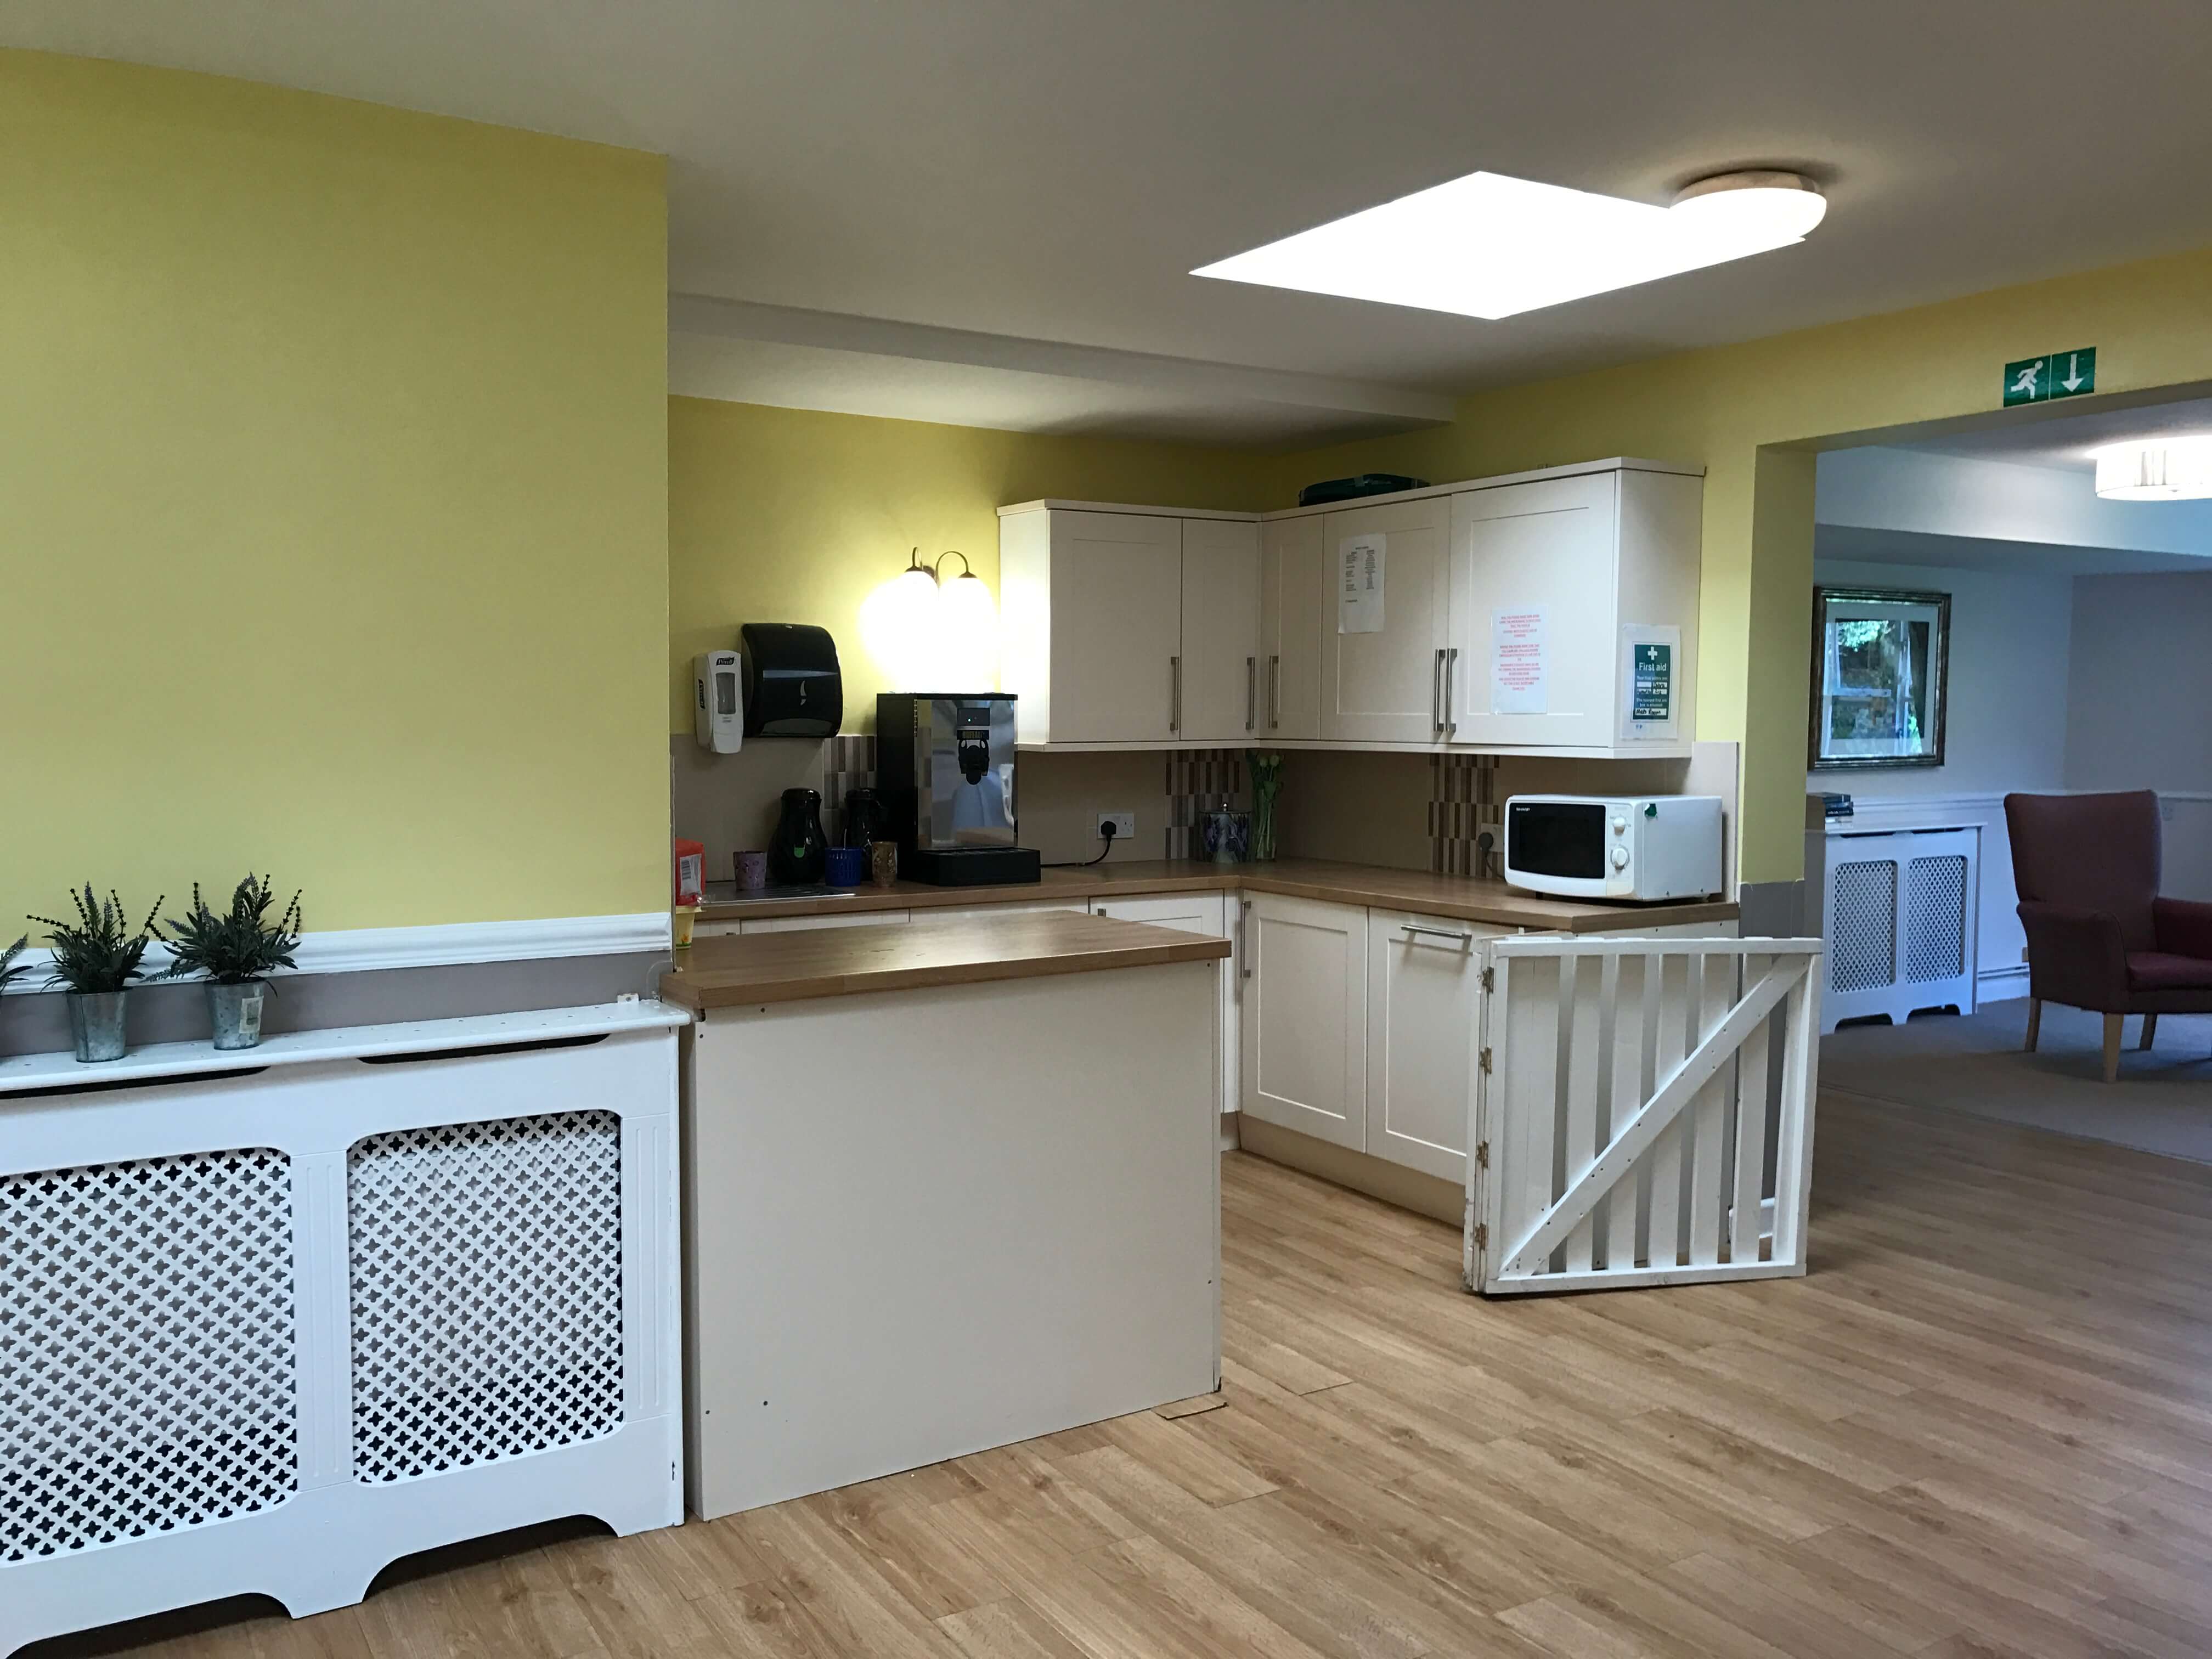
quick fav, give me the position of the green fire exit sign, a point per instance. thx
(2057, 374)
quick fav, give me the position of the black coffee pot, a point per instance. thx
(798, 856)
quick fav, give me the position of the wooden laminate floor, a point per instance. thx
(1981, 1426)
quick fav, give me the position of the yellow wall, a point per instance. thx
(2151, 324)
(333, 500)
(788, 515)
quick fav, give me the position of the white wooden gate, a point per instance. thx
(1623, 1129)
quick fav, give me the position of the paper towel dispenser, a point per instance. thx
(792, 688)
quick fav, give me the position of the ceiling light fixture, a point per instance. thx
(2162, 470)
(1489, 246)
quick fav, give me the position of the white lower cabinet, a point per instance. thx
(1018, 907)
(835, 919)
(1211, 914)
(1305, 1018)
(1423, 1032)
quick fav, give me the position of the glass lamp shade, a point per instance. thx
(2173, 470)
(968, 636)
(899, 627)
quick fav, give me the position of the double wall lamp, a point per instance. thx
(931, 634)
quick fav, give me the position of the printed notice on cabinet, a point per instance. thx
(1359, 583)
(1517, 651)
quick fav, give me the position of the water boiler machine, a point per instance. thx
(945, 764)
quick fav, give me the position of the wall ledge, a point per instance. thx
(363, 949)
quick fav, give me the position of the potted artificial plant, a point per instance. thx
(237, 950)
(97, 956)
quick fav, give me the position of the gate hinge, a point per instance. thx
(1482, 1235)
(1484, 1059)
(1481, 1154)
(1490, 979)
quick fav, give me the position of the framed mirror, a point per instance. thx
(1880, 657)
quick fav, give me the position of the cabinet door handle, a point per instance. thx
(1437, 694)
(1274, 692)
(1411, 928)
(1451, 674)
(1175, 694)
(1243, 945)
(1251, 692)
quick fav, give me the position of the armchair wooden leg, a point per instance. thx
(2034, 1021)
(2150, 1028)
(2113, 1023)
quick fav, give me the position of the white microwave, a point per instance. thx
(1646, 848)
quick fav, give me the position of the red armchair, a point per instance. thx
(2098, 936)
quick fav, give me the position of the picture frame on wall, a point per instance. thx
(1880, 664)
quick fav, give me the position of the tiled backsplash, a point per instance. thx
(1366, 807)
(1199, 780)
(1464, 805)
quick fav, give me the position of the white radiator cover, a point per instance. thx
(279, 1318)
(1902, 910)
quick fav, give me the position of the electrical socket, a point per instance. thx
(1124, 825)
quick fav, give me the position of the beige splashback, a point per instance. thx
(1355, 807)
(730, 802)
(1348, 805)
(1062, 794)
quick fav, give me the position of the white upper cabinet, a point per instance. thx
(1293, 581)
(1385, 621)
(1554, 583)
(1220, 667)
(1553, 610)
(1092, 619)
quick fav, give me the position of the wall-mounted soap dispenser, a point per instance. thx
(717, 701)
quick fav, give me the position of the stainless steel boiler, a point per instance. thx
(944, 764)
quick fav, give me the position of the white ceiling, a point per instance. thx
(1050, 172)
(2071, 441)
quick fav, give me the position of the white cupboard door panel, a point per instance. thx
(1424, 1014)
(1116, 626)
(1385, 686)
(1305, 1018)
(1293, 582)
(1549, 546)
(832, 919)
(1220, 631)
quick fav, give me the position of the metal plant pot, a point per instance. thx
(96, 1024)
(235, 1011)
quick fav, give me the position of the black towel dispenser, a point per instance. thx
(792, 688)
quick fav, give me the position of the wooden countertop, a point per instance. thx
(1463, 898)
(838, 962)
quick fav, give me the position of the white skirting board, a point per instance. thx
(274, 1319)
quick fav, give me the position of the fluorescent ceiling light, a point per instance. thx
(2162, 470)
(1488, 245)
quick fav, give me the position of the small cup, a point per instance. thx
(883, 863)
(846, 866)
(686, 915)
(752, 871)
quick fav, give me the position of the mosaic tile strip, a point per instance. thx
(1198, 780)
(849, 762)
(1464, 805)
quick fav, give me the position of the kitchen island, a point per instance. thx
(948, 1186)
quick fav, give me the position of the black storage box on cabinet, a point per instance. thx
(1350, 490)
(792, 688)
